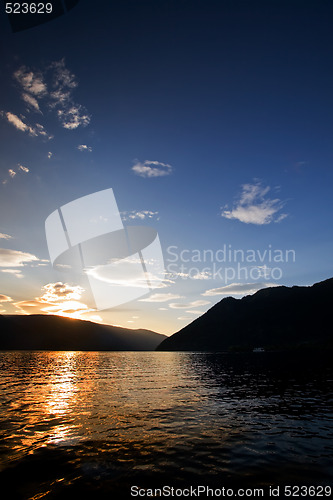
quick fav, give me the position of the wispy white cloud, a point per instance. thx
(189, 305)
(15, 258)
(14, 262)
(16, 121)
(70, 114)
(31, 82)
(19, 124)
(54, 87)
(202, 275)
(12, 173)
(238, 289)
(152, 169)
(176, 274)
(161, 297)
(43, 263)
(4, 236)
(73, 117)
(49, 155)
(14, 272)
(84, 147)
(62, 77)
(139, 214)
(197, 275)
(23, 168)
(31, 101)
(40, 130)
(254, 207)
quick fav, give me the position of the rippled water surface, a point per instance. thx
(95, 423)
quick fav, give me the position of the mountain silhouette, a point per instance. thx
(275, 318)
(43, 332)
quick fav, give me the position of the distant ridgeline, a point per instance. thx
(276, 318)
(55, 333)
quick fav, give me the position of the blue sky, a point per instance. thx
(212, 123)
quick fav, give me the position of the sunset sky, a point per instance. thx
(210, 120)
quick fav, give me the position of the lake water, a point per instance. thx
(94, 424)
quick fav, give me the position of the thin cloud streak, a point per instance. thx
(161, 297)
(19, 124)
(189, 305)
(139, 214)
(238, 289)
(14, 272)
(152, 169)
(15, 258)
(84, 147)
(23, 168)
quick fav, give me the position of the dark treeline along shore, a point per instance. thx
(56, 333)
(275, 318)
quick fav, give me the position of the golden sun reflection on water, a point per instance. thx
(60, 393)
(71, 397)
(60, 390)
(85, 419)
(52, 399)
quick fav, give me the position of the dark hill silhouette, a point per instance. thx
(273, 318)
(42, 332)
